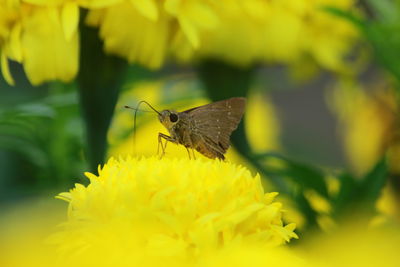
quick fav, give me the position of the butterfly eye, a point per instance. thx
(173, 117)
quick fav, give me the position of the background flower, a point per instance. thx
(367, 122)
(288, 32)
(43, 38)
(352, 245)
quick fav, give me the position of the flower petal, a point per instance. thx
(147, 8)
(5, 70)
(190, 31)
(15, 42)
(98, 3)
(144, 41)
(47, 54)
(70, 19)
(52, 3)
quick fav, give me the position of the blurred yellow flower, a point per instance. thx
(43, 35)
(241, 256)
(367, 122)
(176, 208)
(23, 246)
(142, 31)
(291, 212)
(192, 16)
(354, 244)
(286, 31)
(369, 126)
(388, 208)
(262, 126)
(130, 34)
(43, 38)
(238, 32)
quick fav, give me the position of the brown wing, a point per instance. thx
(215, 122)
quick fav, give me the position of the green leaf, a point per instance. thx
(356, 20)
(374, 181)
(35, 110)
(302, 174)
(381, 32)
(360, 194)
(306, 209)
(347, 194)
(384, 10)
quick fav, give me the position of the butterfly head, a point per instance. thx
(168, 118)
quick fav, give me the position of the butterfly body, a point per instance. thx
(206, 129)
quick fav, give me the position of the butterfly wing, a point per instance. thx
(214, 123)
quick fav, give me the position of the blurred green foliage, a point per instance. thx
(381, 29)
(45, 138)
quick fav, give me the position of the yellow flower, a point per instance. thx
(288, 31)
(367, 122)
(354, 245)
(369, 125)
(176, 208)
(142, 31)
(262, 126)
(241, 256)
(22, 245)
(43, 35)
(130, 34)
(193, 16)
(239, 32)
(388, 207)
(43, 38)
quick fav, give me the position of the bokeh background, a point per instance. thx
(321, 78)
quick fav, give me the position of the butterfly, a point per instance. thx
(206, 129)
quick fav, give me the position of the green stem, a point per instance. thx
(100, 78)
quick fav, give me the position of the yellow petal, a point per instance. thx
(70, 19)
(190, 32)
(15, 42)
(52, 3)
(147, 8)
(98, 3)
(263, 131)
(93, 17)
(13, 3)
(172, 6)
(64, 196)
(201, 15)
(5, 70)
(47, 54)
(144, 41)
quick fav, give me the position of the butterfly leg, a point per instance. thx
(188, 151)
(160, 144)
(163, 146)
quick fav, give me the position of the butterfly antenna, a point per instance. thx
(134, 120)
(141, 110)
